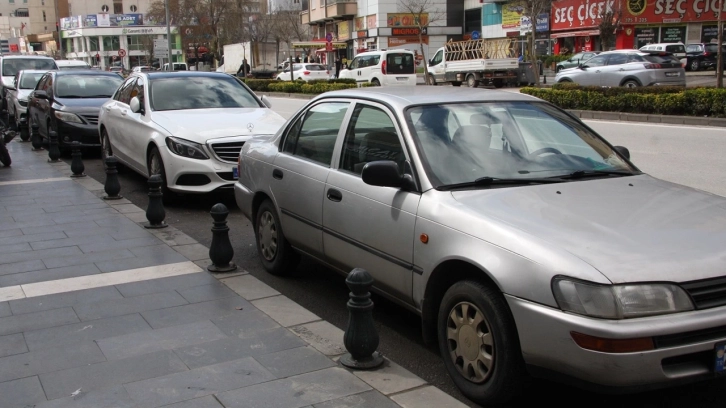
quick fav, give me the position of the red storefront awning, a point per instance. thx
(583, 33)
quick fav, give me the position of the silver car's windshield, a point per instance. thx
(462, 143)
(184, 92)
(11, 66)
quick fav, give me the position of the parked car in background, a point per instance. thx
(10, 65)
(68, 102)
(575, 60)
(72, 64)
(703, 56)
(143, 68)
(524, 240)
(390, 67)
(178, 66)
(186, 126)
(304, 72)
(629, 68)
(24, 84)
(677, 49)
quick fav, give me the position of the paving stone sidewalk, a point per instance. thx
(97, 311)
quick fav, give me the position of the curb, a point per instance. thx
(391, 380)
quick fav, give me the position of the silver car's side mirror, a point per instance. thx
(266, 101)
(135, 105)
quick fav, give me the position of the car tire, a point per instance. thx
(474, 321)
(106, 149)
(277, 256)
(4, 155)
(695, 65)
(432, 80)
(631, 83)
(156, 166)
(375, 82)
(471, 81)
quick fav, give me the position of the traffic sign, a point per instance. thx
(328, 46)
(475, 35)
(122, 53)
(329, 37)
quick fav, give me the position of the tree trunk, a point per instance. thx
(533, 55)
(425, 66)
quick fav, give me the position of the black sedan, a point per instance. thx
(68, 103)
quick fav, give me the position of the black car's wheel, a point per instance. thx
(156, 166)
(276, 254)
(456, 83)
(479, 344)
(4, 155)
(695, 65)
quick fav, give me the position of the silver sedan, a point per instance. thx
(525, 241)
(629, 68)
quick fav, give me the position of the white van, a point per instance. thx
(72, 64)
(178, 66)
(382, 68)
(677, 49)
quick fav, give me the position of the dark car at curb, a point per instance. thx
(702, 56)
(68, 102)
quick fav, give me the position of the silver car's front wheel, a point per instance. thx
(267, 236)
(470, 342)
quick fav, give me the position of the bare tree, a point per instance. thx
(262, 28)
(147, 45)
(289, 28)
(610, 18)
(531, 9)
(425, 14)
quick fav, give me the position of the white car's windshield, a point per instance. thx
(11, 66)
(86, 86)
(185, 92)
(509, 140)
(29, 81)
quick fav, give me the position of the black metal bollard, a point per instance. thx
(361, 338)
(112, 187)
(53, 151)
(35, 137)
(155, 211)
(220, 252)
(77, 166)
(545, 79)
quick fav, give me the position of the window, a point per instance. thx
(437, 58)
(87, 86)
(313, 136)
(371, 136)
(93, 43)
(136, 42)
(617, 59)
(44, 15)
(12, 1)
(597, 61)
(123, 94)
(354, 64)
(138, 91)
(118, 7)
(180, 93)
(400, 63)
(111, 43)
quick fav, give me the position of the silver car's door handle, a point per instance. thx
(123, 113)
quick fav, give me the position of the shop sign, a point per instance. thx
(645, 36)
(361, 34)
(543, 22)
(343, 30)
(511, 15)
(142, 31)
(360, 23)
(398, 41)
(371, 22)
(129, 19)
(673, 34)
(408, 31)
(710, 34)
(407, 20)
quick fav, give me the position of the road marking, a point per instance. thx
(45, 180)
(97, 281)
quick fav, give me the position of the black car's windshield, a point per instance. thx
(461, 143)
(199, 92)
(86, 86)
(11, 66)
(29, 81)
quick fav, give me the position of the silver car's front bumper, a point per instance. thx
(684, 345)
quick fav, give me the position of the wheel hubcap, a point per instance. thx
(470, 342)
(267, 233)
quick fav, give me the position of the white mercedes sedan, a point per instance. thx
(187, 126)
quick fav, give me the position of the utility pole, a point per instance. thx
(58, 29)
(168, 35)
(719, 63)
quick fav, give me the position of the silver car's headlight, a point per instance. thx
(619, 301)
(68, 117)
(186, 148)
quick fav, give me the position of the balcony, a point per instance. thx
(333, 9)
(304, 17)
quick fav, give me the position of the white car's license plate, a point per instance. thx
(671, 74)
(719, 365)
(401, 79)
(235, 173)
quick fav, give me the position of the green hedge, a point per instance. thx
(274, 85)
(649, 100)
(312, 87)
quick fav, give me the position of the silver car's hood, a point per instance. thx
(23, 93)
(629, 228)
(200, 125)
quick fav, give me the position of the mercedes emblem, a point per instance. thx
(250, 126)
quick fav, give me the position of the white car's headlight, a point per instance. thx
(23, 102)
(68, 117)
(186, 148)
(619, 301)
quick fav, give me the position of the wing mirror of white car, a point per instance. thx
(385, 173)
(135, 105)
(266, 101)
(623, 151)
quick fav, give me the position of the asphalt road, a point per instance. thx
(689, 155)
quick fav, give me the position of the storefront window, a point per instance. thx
(472, 20)
(111, 43)
(673, 34)
(138, 42)
(94, 44)
(646, 35)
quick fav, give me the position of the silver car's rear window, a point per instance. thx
(464, 142)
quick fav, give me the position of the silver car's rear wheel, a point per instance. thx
(631, 83)
(470, 342)
(267, 235)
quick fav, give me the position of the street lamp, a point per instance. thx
(168, 34)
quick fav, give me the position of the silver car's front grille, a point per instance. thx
(227, 151)
(707, 293)
(91, 119)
